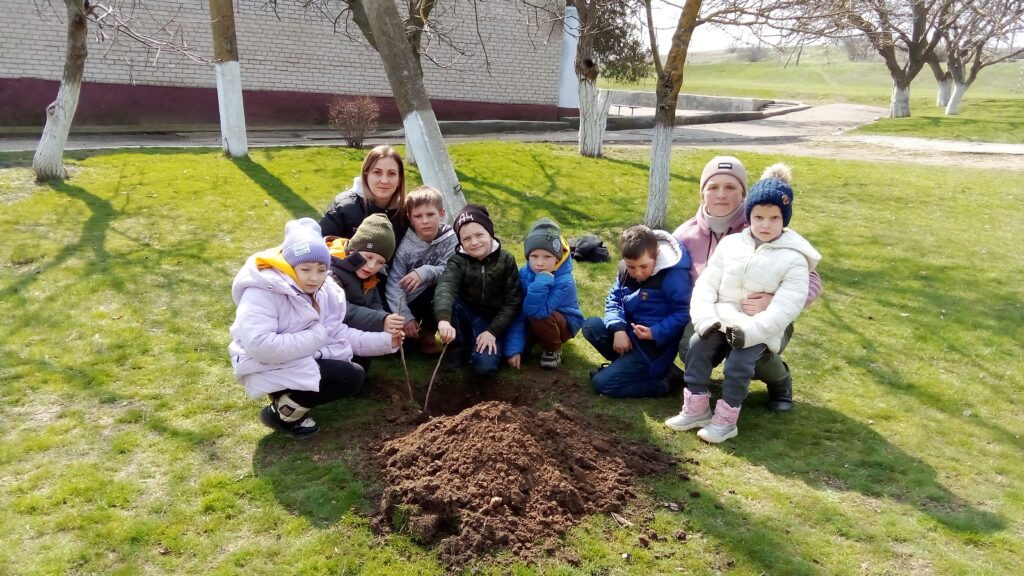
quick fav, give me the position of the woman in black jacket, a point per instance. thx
(380, 188)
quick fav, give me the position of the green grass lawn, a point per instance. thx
(979, 121)
(993, 109)
(128, 448)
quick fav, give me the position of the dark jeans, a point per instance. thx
(769, 367)
(739, 366)
(628, 375)
(469, 324)
(338, 379)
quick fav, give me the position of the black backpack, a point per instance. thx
(588, 248)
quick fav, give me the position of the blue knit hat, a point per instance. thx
(773, 188)
(303, 243)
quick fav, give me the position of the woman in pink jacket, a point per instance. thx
(289, 340)
(723, 188)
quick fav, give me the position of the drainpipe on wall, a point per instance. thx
(568, 88)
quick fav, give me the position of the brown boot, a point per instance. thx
(428, 343)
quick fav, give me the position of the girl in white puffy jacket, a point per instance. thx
(766, 257)
(289, 339)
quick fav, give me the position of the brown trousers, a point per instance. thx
(550, 333)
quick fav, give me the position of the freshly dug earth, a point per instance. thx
(496, 475)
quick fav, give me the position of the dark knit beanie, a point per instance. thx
(724, 165)
(773, 188)
(544, 235)
(303, 243)
(376, 235)
(473, 213)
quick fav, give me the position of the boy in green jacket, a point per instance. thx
(478, 295)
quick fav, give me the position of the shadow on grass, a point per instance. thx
(833, 452)
(91, 241)
(827, 451)
(278, 190)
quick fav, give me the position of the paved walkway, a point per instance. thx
(819, 131)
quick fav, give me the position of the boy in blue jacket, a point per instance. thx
(551, 310)
(645, 313)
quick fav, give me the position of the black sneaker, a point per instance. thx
(303, 428)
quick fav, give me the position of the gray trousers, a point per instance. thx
(739, 366)
(769, 368)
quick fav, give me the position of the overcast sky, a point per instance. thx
(705, 38)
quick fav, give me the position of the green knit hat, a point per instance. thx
(375, 235)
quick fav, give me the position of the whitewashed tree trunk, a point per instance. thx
(229, 79)
(422, 133)
(945, 89)
(232, 110)
(957, 99)
(661, 158)
(48, 162)
(410, 156)
(899, 106)
(594, 106)
(424, 139)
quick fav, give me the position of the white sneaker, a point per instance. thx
(550, 359)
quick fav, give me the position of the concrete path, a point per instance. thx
(819, 131)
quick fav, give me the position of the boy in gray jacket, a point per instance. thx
(417, 265)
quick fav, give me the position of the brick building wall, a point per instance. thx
(292, 64)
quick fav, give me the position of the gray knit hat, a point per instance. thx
(303, 243)
(724, 165)
(376, 235)
(544, 235)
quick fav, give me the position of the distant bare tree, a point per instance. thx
(115, 22)
(903, 32)
(980, 36)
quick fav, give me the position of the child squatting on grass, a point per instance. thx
(644, 315)
(766, 257)
(479, 294)
(418, 264)
(551, 309)
(289, 338)
(358, 267)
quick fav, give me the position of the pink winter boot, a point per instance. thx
(696, 412)
(723, 424)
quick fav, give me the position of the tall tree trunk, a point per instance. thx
(956, 100)
(594, 106)
(48, 162)
(945, 90)
(229, 79)
(422, 132)
(670, 80)
(661, 159)
(899, 105)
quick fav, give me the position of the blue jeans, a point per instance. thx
(468, 326)
(628, 375)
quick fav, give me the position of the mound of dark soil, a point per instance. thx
(496, 475)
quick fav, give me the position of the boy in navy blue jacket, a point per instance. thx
(551, 313)
(645, 313)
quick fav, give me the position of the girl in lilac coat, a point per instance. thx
(289, 339)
